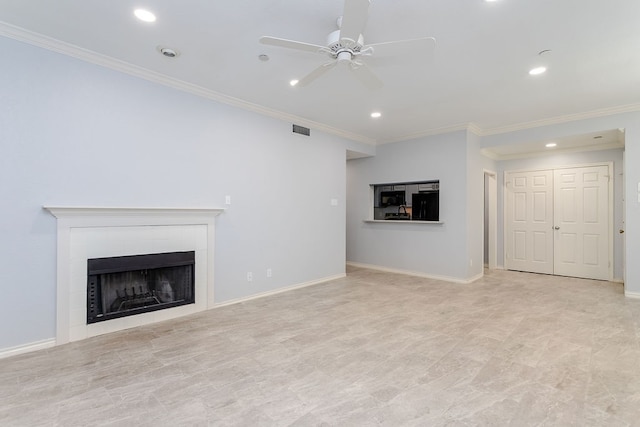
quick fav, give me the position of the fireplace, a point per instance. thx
(129, 285)
(86, 233)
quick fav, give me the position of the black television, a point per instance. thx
(392, 198)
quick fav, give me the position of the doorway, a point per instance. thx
(559, 221)
(490, 219)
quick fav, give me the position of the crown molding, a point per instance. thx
(499, 157)
(603, 112)
(474, 129)
(430, 132)
(479, 131)
(58, 46)
(86, 55)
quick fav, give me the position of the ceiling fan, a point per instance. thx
(346, 45)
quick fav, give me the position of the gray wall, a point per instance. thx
(438, 250)
(73, 133)
(456, 160)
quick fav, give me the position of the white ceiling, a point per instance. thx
(479, 75)
(604, 140)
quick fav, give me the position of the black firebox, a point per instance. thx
(128, 285)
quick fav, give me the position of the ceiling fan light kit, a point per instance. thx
(346, 45)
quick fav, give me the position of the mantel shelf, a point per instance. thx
(89, 211)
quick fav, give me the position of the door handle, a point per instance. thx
(621, 231)
(556, 228)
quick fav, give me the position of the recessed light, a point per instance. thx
(293, 82)
(537, 70)
(550, 145)
(168, 52)
(376, 114)
(144, 15)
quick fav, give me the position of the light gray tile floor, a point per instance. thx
(371, 349)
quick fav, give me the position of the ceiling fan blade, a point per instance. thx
(366, 76)
(413, 47)
(316, 73)
(354, 19)
(291, 44)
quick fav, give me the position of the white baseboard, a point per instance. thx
(415, 273)
(27, 348)
(41, 345)
(634, 295)
(476, 277)
(279, 291)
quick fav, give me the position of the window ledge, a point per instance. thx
(393, 221)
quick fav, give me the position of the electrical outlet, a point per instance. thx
(269, 272)
(470, 263)
(334, 202)
(249, 277)
(227, 200)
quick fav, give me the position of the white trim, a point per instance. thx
(49, 43)
(71, 219)
(634, 295)
(431, 132)
(617, 280)
(27, 348)
(610, 207)
(612, 221)
(474, 129)
(86, 55)
(504, 220)
(416, 273)
(488, 152)
(552, 168)
(280, 290)
(97, 214)
(602, 112)
(49, 343)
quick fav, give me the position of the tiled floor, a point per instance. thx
(371, 349)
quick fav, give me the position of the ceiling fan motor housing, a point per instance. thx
(343, 50)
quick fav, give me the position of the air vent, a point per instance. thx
(301, 130)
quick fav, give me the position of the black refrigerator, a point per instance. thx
(425, 206)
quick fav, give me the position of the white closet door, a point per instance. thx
(529, 217)
(581, 222)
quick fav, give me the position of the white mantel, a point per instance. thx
(92, 232)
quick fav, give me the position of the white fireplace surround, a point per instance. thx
(98, 232)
